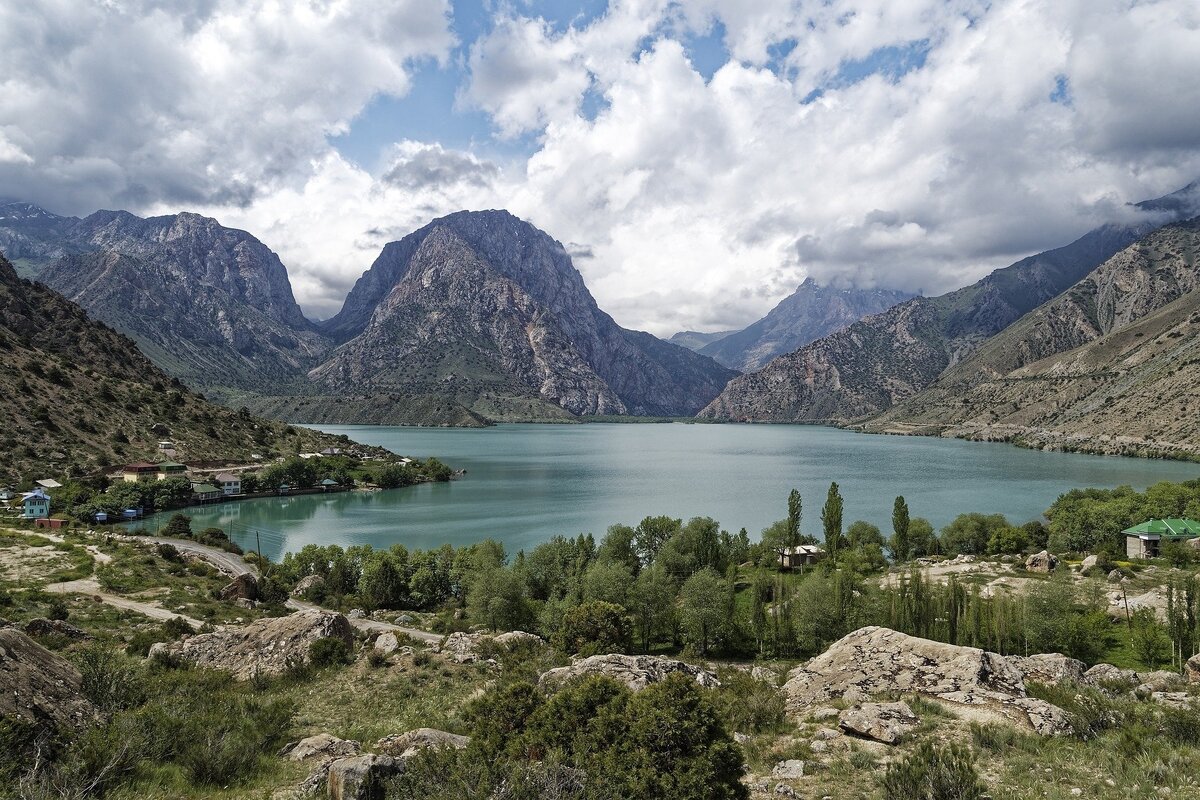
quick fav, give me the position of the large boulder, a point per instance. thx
(516, 638)
(307, 584)
(39, 687)
(1106, 675)
(461, 648)
(269, 646)
(243, 587)
(1041, 562)
(407, 745)
(361, 777)
(54, 627)
(1192, 669)
(1048, 668)
(883, 722)
(322, 746)
(874, 660)
(636, 672)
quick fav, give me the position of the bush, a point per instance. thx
(376, 659)
(595, 627)
(329, 651)
(934, 773)
(58, 609)
(110, 680)
(748, 705)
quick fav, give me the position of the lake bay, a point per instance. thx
(526, 483)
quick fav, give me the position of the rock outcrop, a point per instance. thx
(54, 627)
(873, 661)
(1041, 562)
(1049, 668)
(322, 746)
(307, 584)
(882, 722)
(407, 745)
(361, 777)
(1191, 669)
(269, 646)
(242, 587)
(39, 687)
(636, 672)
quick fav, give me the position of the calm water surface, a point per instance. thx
(526, 483)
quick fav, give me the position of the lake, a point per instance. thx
(526, 483)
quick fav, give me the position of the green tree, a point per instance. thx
(970, 533)
(901, 545)
(831, 519)
(702, 608)
(382, 584)
(795, 510)
(497, 599)
(178, 526)
(594, 627)
(608, 581)
(652, 603)
(652, 533)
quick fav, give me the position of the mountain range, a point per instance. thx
(885, 358)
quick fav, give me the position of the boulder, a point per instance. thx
(636, 672)
(54, 627)
(356, 613)
(1041, 562)
(1191, 669)
(243, 587)
(1108, 674)
(1048, 668)
(1158, 681)
(324, 746)
(790, 770)
(883, 722)
(1088, 563)
(1115, 576)
(267, 646)
(40, 687)
(407, 745)
(765, 674)
(361, 777)
(874, 660)
(516, 638)
(387, 643)
(461, 648)
(307, 584)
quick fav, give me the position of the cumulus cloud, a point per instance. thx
(912, 144)
(132, 102)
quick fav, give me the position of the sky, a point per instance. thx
(699, 158)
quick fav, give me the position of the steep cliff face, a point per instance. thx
(887, 357)
(1110, 365)
(808, 314)
(487, 309)
(210, 305)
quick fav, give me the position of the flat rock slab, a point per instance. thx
(636, 672)
(407, 745)
(883, 722)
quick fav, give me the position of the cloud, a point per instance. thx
(418, 166)
(219, 102)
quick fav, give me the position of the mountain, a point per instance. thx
(808, 314)
(76, 396)
(887, 357)
(1110, 365)
(695, 340)
(210, 305)
(32, 237)
(485, 309)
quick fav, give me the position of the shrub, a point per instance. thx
(110, 680)
(594, 627)
(934, 773)
(328, 651)
(748, 705)
(376, 659)
(58, 609)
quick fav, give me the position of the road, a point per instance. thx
(91, 588)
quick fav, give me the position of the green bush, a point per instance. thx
(594, 627)
(58, 609)
(328, 651)
(934, 773)
(111, 681)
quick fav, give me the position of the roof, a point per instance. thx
(49, 483)
(228, 477)
(329, 482)
(1181, 528)
(36, 494)
(801, 549)
(171, 465)
(204, 488)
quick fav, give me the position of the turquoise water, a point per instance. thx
(525, 483)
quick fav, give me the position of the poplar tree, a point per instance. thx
(795, 507)
(900, 542)
(831, 518)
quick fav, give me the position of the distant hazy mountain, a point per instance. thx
(210, 305)
(885, 358)
(804, 316)
(76, 396)
(1110, 365)
(694, 340)
(485, 309)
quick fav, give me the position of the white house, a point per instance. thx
(231, 485)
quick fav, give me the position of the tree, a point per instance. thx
(652, 602)
(702, 608)
(652, 533)
(382, 584)
(901, 546)
(497, 599)
(178, 526)
(795, 509)
(922, 541)
(970, 533)
(595, 627)
(608, 581)
(831, 519)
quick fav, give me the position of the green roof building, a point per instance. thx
(1144, 540)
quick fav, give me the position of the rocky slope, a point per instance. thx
(488, 311)
(808, 314)
(1111, 365)
(210, 305)
(696, 340)
(76, 395)
(885, 358)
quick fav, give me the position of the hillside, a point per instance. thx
(695, 340)
(487, 311)
(1111, 365)
(885, 358)
(76, 396)
(808, 314)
